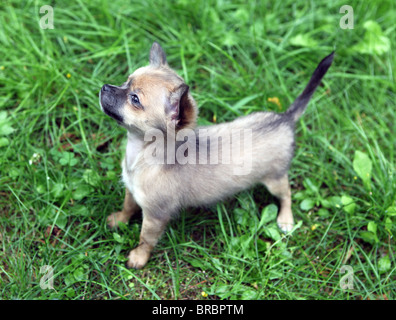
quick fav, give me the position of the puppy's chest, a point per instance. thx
(129, 164)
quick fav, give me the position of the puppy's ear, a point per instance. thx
(157, 56)
(181, 110)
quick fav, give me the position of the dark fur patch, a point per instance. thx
(187, 114)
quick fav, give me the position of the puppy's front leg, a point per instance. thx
(152, 229)
(129, 209)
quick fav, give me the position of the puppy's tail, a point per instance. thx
(299, 105)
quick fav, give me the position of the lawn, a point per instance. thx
(60, 155)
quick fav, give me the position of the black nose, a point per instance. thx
(106, 87)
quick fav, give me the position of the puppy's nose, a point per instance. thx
(106, 87)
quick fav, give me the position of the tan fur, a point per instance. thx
(166, 107)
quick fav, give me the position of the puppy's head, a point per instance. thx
(153, 97)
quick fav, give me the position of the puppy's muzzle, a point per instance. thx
(112, 100)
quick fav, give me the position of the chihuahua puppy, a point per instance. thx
(171, 164)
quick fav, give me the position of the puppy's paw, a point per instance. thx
(114, 218)
(285, 227)
(285, 223)
(138, 258)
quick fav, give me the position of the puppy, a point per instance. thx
(171, 164)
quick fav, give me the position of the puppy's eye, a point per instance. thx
(134, 99)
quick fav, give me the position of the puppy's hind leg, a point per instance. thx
(129, 209)
(280, 188)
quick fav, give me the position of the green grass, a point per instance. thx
(60, 155)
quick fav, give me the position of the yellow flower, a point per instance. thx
(204, 294)
(314, 227)
(68, 76)
(2, 68)
(274, 100)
